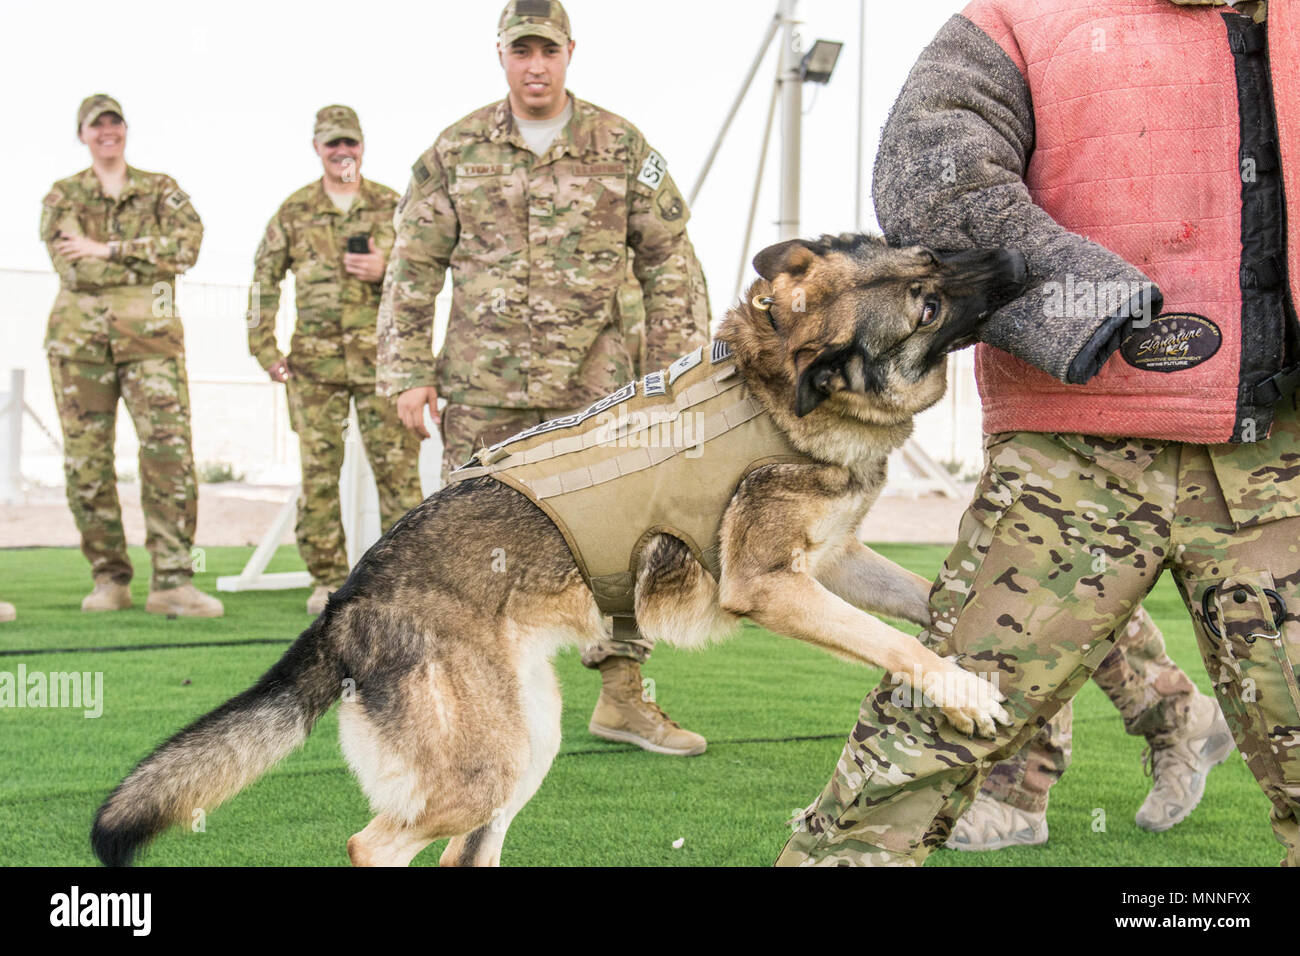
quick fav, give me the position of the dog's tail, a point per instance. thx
(222, 752)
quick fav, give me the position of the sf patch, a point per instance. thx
(653, 171)
(1172, 342)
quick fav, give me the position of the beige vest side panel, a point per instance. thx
(643, 465)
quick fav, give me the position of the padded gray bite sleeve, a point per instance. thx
(950, 175)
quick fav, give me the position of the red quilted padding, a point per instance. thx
(1137, 133)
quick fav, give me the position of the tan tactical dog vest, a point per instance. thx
(660, 455)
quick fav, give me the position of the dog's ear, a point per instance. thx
(813, 379)
(792, 257)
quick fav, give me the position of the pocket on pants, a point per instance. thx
(1259, 652)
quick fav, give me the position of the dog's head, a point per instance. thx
(851, 320)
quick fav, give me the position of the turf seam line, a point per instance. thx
(318, 771)
(143, 647)
(632, 748)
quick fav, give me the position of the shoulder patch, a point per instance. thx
(426, 174)
(670, 206)
(52, 198)
(176, 199)
(653, 171)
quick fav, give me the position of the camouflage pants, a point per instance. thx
(1151, 692)
(319, 414)
(466, 428)
(157, 397)
(1064, 538)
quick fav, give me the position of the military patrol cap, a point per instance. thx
(95, 106)
(337, 122)
(533, 18)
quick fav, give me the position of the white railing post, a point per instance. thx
(12, 404)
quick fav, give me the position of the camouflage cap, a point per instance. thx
(533, 18)
(95, 106)
(337, 122)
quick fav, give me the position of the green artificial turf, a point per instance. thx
(775, 712)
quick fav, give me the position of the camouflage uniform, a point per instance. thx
(1064, 537)
(114, 332)
(1151, 692)
(332, 361)
(538, 247)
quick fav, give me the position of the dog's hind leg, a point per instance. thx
(540, 702)
(385, 842)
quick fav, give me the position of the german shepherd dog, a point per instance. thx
(451, 713)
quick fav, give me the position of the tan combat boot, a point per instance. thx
(184, 601)
(624, 715)
(319, 598)
(109, 595)
(1178, 771)
(990, 824)
(7, 612)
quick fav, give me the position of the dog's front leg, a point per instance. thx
(874, 583)
(794, 604)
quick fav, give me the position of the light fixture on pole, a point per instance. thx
(819, 63)
(794, 68)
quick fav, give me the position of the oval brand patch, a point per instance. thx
(1172, 342)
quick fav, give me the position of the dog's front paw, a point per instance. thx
(971, 703)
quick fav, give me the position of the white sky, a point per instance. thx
(223, 97)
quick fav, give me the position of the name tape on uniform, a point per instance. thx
(464, 170)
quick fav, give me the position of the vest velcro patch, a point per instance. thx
(685, 364)
(654, 384)
(567, 421)
(719, 351)
(467, 170)
(1172, 342)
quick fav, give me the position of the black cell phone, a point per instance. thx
(359, 244)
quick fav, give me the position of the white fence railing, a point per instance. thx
(240, 417)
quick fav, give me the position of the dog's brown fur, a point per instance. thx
(451, 711)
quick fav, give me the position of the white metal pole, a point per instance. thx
(862, 92)
(735, 107)
(758, 187)
(791, 120)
